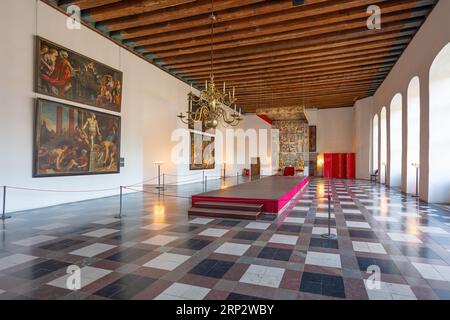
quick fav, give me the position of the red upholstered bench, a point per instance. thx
(289, 171)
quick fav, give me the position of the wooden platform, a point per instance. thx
(248, 200)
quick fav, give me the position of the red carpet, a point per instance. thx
(273, 192)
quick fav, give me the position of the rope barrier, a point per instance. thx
(133, 187)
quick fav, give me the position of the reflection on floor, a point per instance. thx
(157, 252)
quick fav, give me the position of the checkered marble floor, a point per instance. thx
(157, 252)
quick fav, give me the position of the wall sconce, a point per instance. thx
(320, 163)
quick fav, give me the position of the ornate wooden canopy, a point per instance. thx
(320, 54)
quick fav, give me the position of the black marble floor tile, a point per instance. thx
(289, 228)
(275, 254)
(194, 244)
(362, 234)
(183, 229)
(128, 255)
(62, 245)
(324, 222)
(416, 251)
(324, 243)
(41, 269)
(242, 297)
(125, 288)
(386, 266)
(247, 235)
(229, 223)
(323, 284)
(212, 268)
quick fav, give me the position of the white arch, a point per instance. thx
(439, 143)
(383, 144)
(375, 147)
(395, 135)
(413, 134)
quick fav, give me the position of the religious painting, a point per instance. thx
(198, 126)
(312, 139)
(202, 152)
(74, 141)
(65, 74)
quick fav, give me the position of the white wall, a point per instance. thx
(151, 101)
(334, 129)
(416, 61)
(363, 129)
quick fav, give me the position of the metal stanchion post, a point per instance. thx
(164, 181)
(329, 235)
(206, 183)
(237, 178)
(120, 205)
(417, 182)
(4, 216)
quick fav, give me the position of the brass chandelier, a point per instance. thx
(210, 105)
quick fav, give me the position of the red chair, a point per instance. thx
(289, 171)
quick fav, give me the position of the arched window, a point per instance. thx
(413, 134)
(383, 143)
(396, 141)
(439, 144)
(375, 153)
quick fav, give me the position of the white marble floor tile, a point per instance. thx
(181, 291)
(15, 260)
(433, 230)
(160, 240)
(283, 239)
(92, 250)
(88, 276)
(404, 237)
(99, 233)
(156, 226)
(323, 259)
(51, 226)
(263, 276)
(234, 249)
(32, 241)
(257, 225)
(167, 261)
(369, 247)
(357, 224)
(294, 220)
(106, 221)
(201, 221)
(322, 230)
(213, 232)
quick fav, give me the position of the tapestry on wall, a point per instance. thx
(65, 74)
(294, 149)
(312, 139)
(74, 141)
(202, 152)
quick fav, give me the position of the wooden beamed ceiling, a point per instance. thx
(320, 54)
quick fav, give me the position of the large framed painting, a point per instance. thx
(70, 140)
(312, 139)
(202, 152)
(68, 75)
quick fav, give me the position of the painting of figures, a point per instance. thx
(312, 138)
(74, 141)
(65, 74)
(202, 152)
